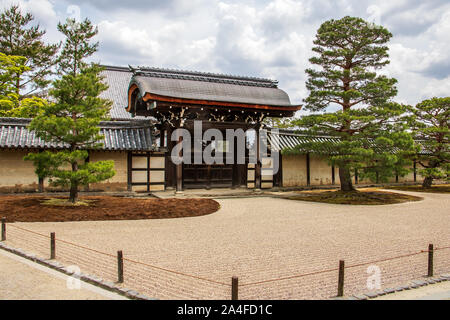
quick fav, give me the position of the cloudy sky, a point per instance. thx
(264, 38)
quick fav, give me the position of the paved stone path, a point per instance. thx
(21, 279)
(438, 291)
(258, 239)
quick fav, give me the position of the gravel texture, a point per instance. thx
(257, 239)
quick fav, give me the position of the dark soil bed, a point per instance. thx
(32, 209)
(362, 197)
(443, 188)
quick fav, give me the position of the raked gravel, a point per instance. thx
(259, 239)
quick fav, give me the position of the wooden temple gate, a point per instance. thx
(178, 98)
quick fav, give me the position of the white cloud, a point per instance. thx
(127, 39)
(436, 88)
(421, 62)
(271, 38)
(42, 10)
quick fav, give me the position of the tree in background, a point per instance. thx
(9, 66)
(75, 114)
(44, 164)
(10, 104)
(18, 38)
(370, 137)
(279, 123)
(430, 122)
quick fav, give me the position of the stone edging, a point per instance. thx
(96, 281)
(412, 285)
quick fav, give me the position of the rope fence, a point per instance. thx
(165, 283)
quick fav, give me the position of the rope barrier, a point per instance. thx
(288, 278)
(36, 233)
(66, 242)
(331, 270)
(177, 272)
(86, 248)
(126, 259)
(226, 284)
(387, 259)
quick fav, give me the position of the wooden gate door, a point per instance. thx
(208, 176)
(146, 171)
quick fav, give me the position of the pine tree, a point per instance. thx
(9, 66)
(279, 123)
(369, 136)
(19, 38)
(12, 67)
(75, 115)
(430, 122)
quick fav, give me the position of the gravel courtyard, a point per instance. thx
(257, 239)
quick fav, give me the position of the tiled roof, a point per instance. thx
(209, 87)
(289, 140)
(118, 80)
(118, 135)
(189, 84)
(204, 77)
(285, 140)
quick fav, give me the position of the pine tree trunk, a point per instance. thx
(346, 180)
(74, 185)
(73, 193)
(427, 182)
(41, 185)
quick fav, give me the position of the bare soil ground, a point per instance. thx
(33, 209)
(369, 196)
(442, 188)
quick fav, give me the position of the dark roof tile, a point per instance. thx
(14, 134)
(118, 80)
(221, 91)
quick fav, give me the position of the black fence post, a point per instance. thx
(430, 260)
(119, 266)
(3, 229)
(234, 288)
(341, 278)
(52, 246)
